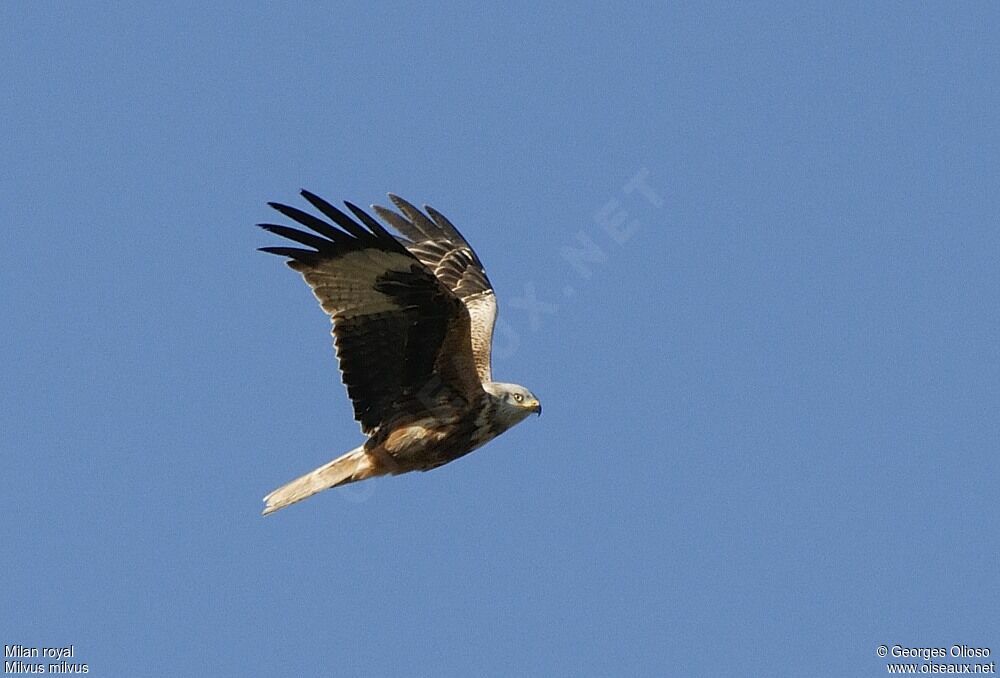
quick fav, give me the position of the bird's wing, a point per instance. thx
(400, 333)
(438, 244)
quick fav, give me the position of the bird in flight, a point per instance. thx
(413, 320)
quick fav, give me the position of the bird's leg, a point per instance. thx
(384, 460)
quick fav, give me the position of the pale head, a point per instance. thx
(513, 402)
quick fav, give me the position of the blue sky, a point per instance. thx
(770, 388)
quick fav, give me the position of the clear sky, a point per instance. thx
(746, 255)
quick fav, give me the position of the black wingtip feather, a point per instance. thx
(377, 228)
(305, 256)
(363, 216)
(307, 239)
(335, 215)
(329, 239)
(311, 222)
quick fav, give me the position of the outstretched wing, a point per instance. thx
(400, 333)
(438, 244)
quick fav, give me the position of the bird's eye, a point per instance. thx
(518, 397)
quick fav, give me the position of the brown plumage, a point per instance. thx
(413, 324)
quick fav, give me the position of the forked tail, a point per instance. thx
(355, 465)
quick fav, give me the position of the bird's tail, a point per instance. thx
(355, 465)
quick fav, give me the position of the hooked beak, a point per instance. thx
(535, 407)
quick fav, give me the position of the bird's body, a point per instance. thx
(413, 323)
